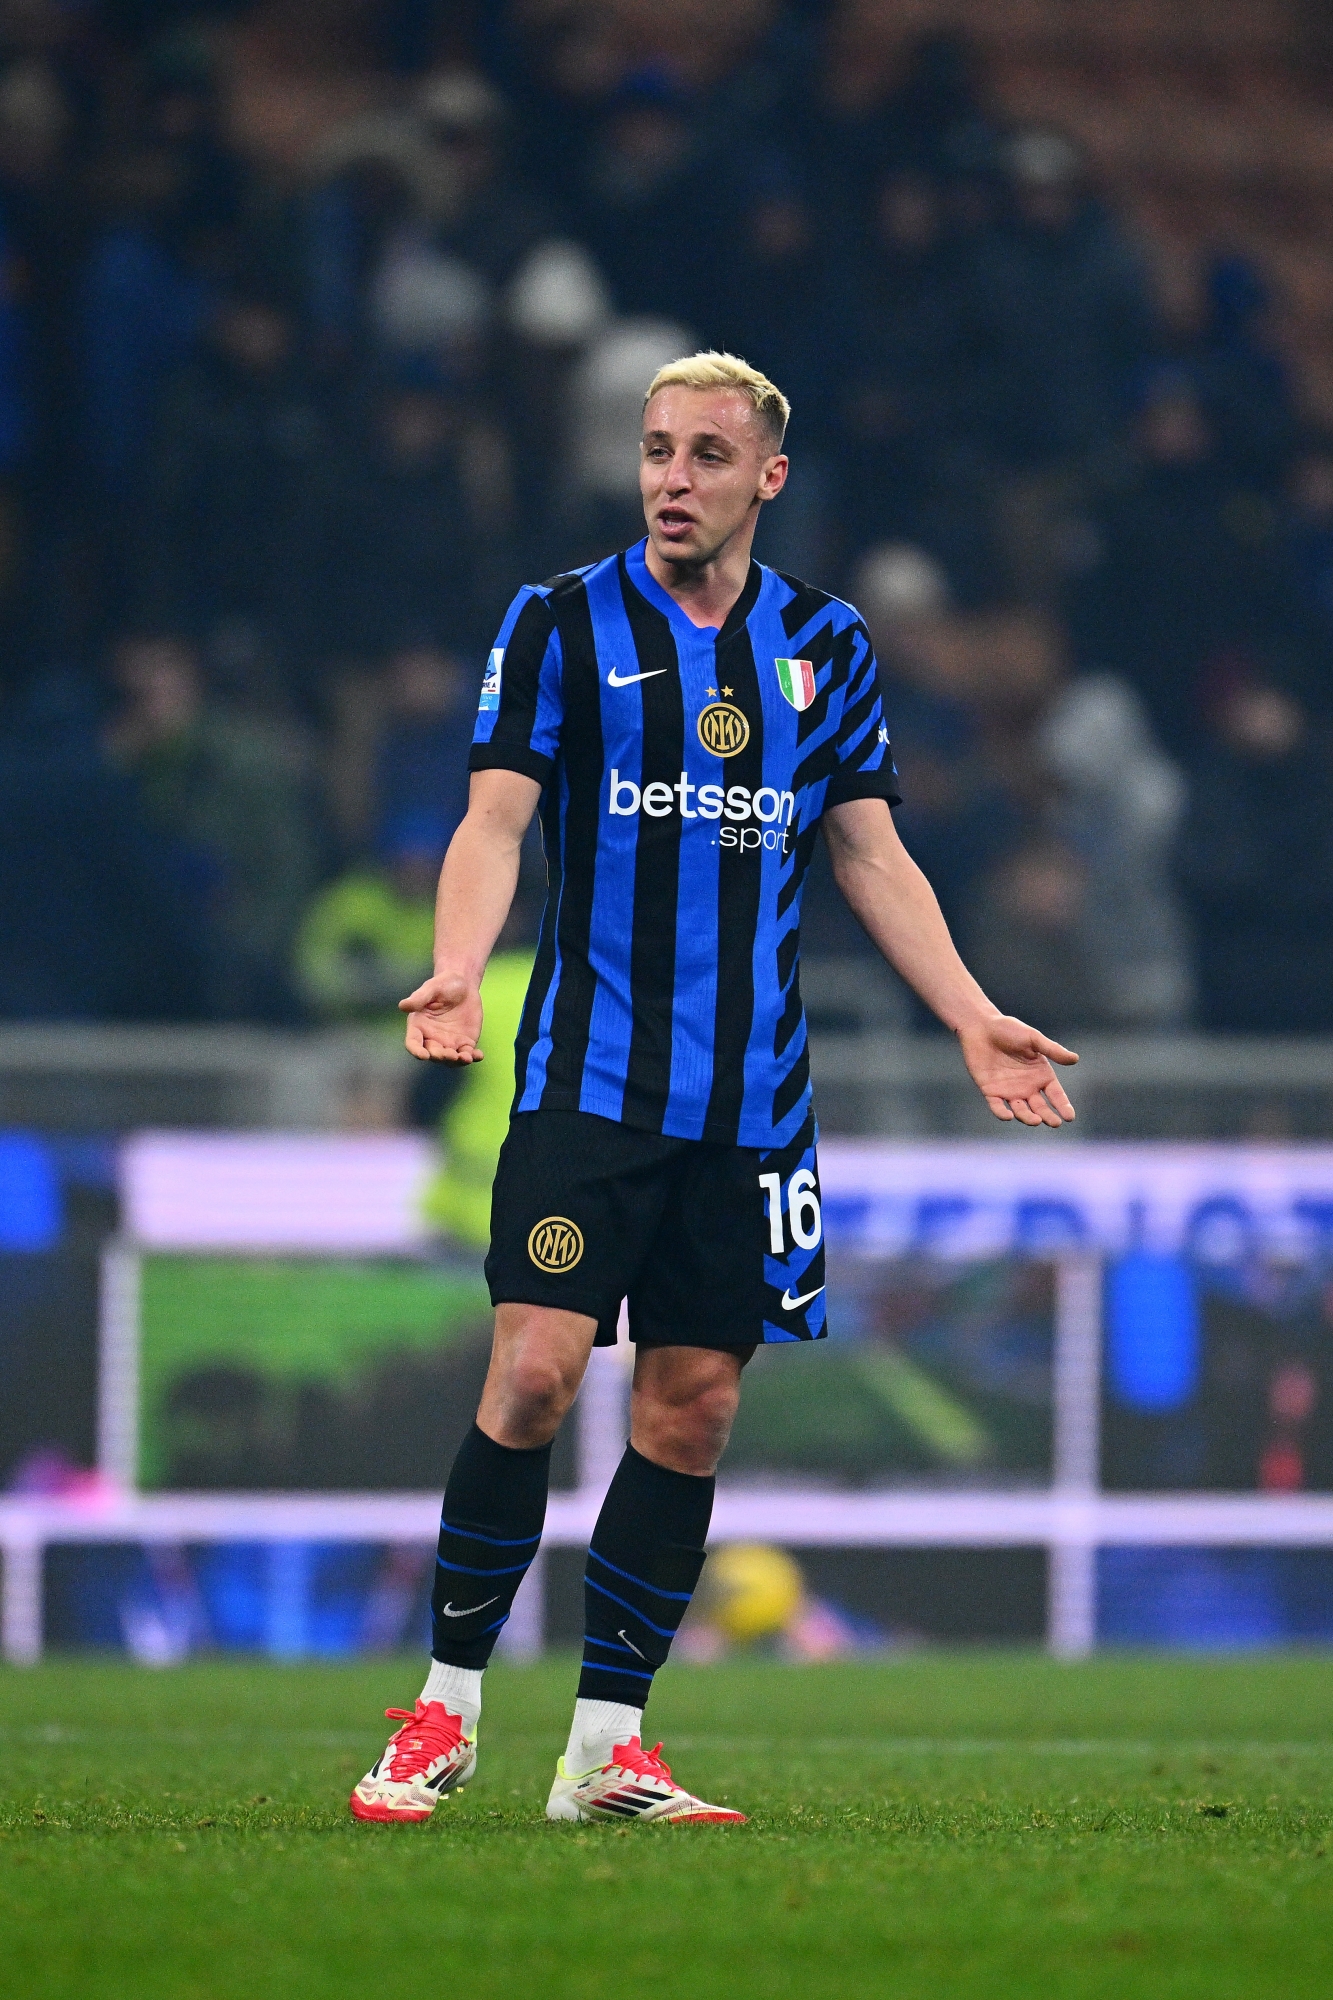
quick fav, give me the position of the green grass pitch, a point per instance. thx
(949, 1825)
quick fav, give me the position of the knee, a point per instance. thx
(536, 1393)
(690, 1433)
(712, 1412)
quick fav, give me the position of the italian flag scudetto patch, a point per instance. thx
(796, 678)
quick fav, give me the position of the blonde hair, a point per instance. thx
(712, 370)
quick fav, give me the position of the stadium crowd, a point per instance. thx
(324, 324)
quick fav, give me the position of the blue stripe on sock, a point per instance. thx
(611, 1647)
(626, 1673)
(667, 1631)
(463, 1569)
(471, 1535)
(680, 1596)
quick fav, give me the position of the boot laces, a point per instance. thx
(428, 1732)
(643, 1763)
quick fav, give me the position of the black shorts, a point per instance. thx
(713, 1246)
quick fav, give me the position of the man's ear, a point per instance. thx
(773, 477)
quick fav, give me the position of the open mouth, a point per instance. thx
(673, 521)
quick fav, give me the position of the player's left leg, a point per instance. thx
(644, 1561)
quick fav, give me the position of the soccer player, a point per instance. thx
(687, 720)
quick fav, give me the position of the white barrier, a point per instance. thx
(1070, 1527)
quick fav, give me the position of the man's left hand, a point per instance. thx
(1010, 1064)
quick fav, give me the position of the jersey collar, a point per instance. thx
(647, 586)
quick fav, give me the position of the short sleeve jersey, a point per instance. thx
(684, 771)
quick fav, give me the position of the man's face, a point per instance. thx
(706, 466)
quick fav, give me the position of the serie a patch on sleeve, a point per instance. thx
(490, 687)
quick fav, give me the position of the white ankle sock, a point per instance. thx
(596, 1729)
(459, 1688)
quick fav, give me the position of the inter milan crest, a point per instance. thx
(796, 678)
(555, 1244)
(723, 729)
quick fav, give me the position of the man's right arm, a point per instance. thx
(477, 884)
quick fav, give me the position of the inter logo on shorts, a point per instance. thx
(723, 729)
(796, 678)
(555, 1244)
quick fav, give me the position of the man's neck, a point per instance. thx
(705, 591)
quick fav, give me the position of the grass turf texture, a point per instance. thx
(950, 1825)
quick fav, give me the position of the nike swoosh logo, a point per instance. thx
(789, 1304)
(615, 680)
(468, 1609)
(622, 1633)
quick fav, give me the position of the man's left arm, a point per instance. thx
(1009, 1062)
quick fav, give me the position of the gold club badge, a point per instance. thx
(723, 729)
(555, 1244)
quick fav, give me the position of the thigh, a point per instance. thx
(577, 1202)
(738, 1257)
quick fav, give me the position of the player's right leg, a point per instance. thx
(494, 1507)
(577, 1200)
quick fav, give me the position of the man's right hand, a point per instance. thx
(443, 1020)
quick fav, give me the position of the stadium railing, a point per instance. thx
(870, 1079)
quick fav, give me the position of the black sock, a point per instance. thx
(494, 1508)
(644, 1560)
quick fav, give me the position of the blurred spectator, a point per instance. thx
(1025, 937)
(556, 303)
(905, 396)
(17, 418)
(1120, 807)
(41, 241)
(725, 70)
(1307, 563)
(97, 924)
(1242, 376)
(230, 800)
(1063, 308)
(421, 758)
(601, 507)
(646, 167)
(363, 193)
(473, 1128)
(401, 750)
(422, 538)
(486, 214)
(955, 818)
(366, 939)
(174, 197)
(1062, 321)
(775, 257)
(936, 95)
(240, 502)
(1256, 862)
(419, 221)
(1172, 570)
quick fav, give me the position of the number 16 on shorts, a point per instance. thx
(802, 1214)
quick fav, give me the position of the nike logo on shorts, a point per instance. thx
(615, 680)
(789, 1304)
(468, 1609)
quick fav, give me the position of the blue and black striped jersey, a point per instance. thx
(684, 771)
